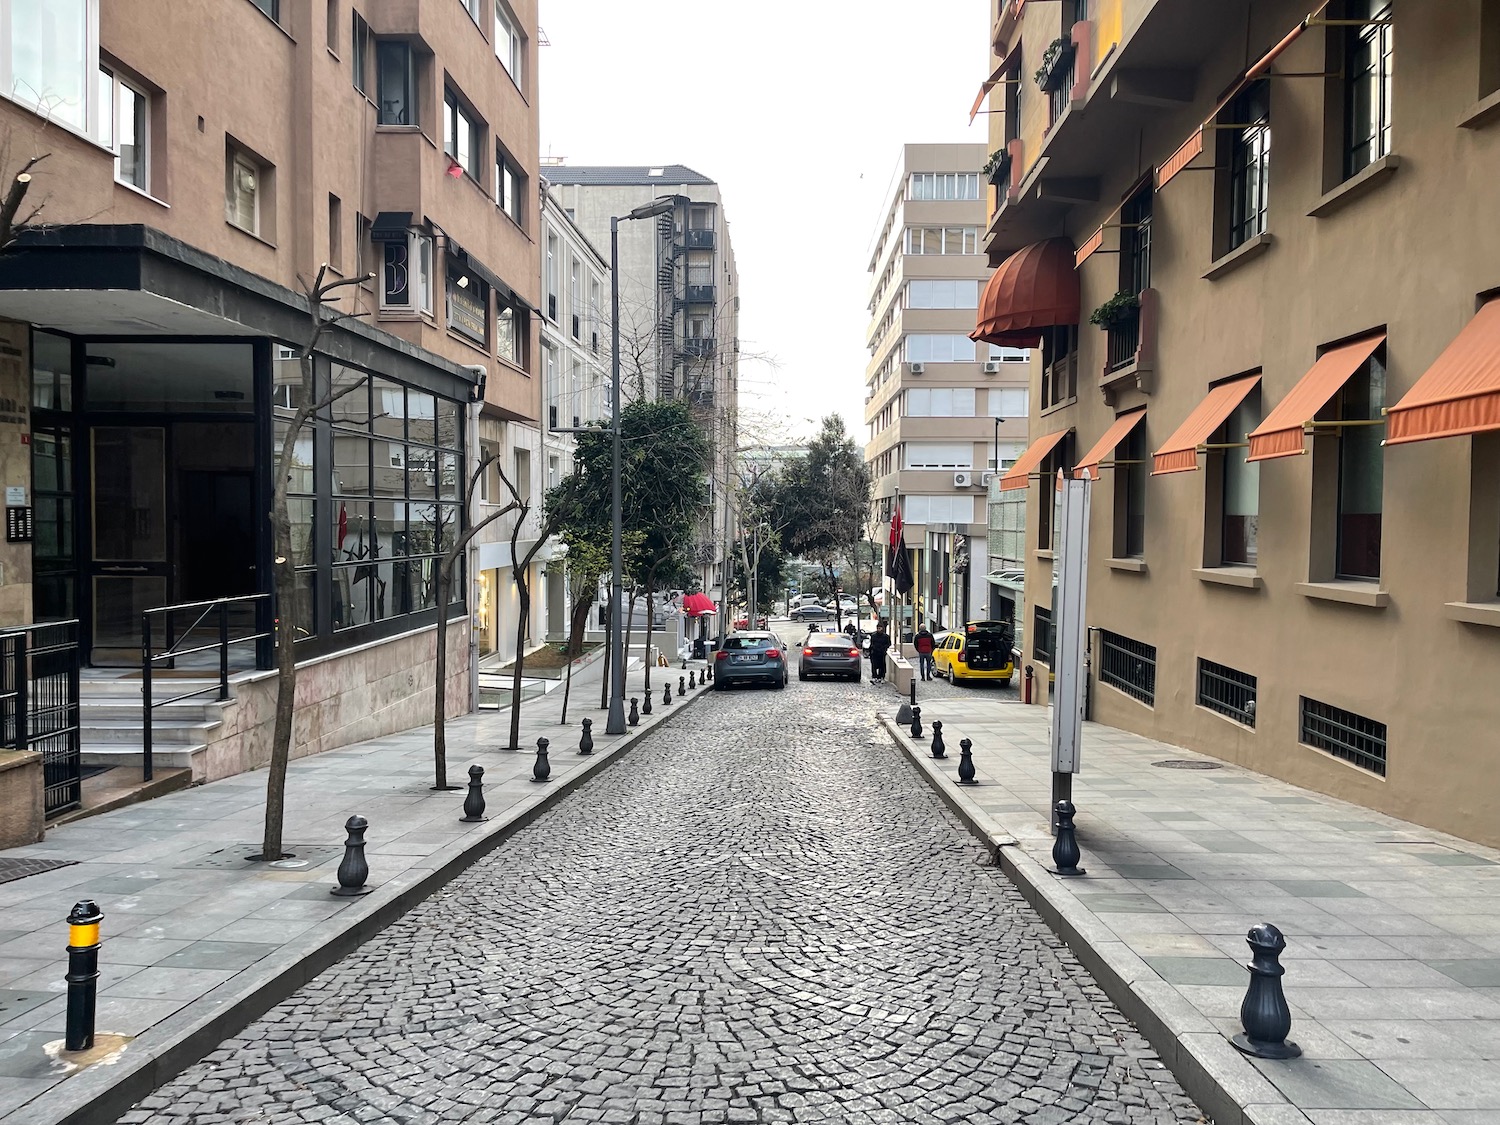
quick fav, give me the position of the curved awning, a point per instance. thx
(1035, 288)
(1460, 392)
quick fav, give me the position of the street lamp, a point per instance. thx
(615, 723)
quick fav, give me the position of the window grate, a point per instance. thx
(1347, 736)
(1041, 646)
(1128, 665)
(1227, 690)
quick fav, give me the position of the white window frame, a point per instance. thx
(456, 113)
(92, 110)
(939, 455)
(510, 44)
(999, 396)
(110, 116)
(241, 161)
(418, 277)
(473, 7)
(937, 347)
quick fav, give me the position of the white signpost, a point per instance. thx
(1069, 636)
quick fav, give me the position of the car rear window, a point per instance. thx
(988, 643)
(828, 640)
(742, 644)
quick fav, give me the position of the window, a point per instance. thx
(1226, 690)
(1059, 365)
(488, 492)
(359, 49)
(272, 8)
(1128, 665)
(940, 402)
(468, 304)
(937, 509)
(1132, 467)
(335, 232)
(364, 262)
(52, 58)
(552, 256)
(510, 46)
(396, 82)
(1241, 485)
(243, 189)
(1009, 452)
(511, 328)
(930, 455)
(942, 294)
(461, 134)
(1484, 518)
(1249, 162)
(1008, 402)
(508, 181)
(1489, 47)
(575, 299)
(1349, 737)
(942, 240)
(1135, 242)
(521, 477)
(1041, 634)
(1361, 457)
(594, 318)
(1367, 84)
(124, 127)
(938, 348)
(1003, 354)
(406, 274)
(333, 26)
(473, 7)
(944, 185)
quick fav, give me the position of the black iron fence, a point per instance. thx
(39, 705)
(1124, 339)
(1226, 690)
(1129, 665)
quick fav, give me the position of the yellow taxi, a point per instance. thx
(981, 650)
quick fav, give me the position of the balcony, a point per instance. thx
(1130, 349)
(698, 347)
(700, 240)
(1123, 341)
(700, 294)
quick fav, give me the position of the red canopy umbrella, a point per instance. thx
(698, 605)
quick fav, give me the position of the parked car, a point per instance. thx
(750, 657)
(981, 650)
(829, 654)
(849, 605)
(760, 623)
(810, 611)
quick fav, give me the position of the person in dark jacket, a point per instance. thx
(880, 644)
(924, 644)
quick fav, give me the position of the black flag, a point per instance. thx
(899, 570)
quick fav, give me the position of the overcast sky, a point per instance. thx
(798, 109)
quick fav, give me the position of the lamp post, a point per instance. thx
(615, 722)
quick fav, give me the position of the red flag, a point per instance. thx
(343, 524)
(896, 539)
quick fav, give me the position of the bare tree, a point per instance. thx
(321, 317)
(11, 227)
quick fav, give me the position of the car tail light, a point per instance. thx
(772, 653)
(721, 656)
(854, 652)
(807, 652)
(959, 657)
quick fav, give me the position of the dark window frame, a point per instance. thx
(359, 50)
(1367, 58)
(1361, 398)
(1128, 665)
(1132, 460)
(404, 112)
(1248, 162)
(1352, 738)
(1227, 691)
(456, 111)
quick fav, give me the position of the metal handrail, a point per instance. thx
(217, 606)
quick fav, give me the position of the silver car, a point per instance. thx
(829, 654)
(750, 658)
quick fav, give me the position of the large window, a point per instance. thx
(1249, 162)
(924, 347)
(1059, 365)
(942, 240)
(508, 193)
(52, 58)
(1135, 242)
(935, 455)
(944, 185)
(937, 509)
(396, 82)
(942, 294)
(1367, 84)
(510, 45)
(1241, 485)
(406, 273)
(1361, 469)
(511, 330)
(940, 402)
(1007, 402)
(124, 127)
(360, 54)
(244, 191)
(1132, 468)
(461, 134)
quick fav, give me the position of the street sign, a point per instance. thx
(1070, 633)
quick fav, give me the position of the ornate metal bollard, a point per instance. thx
(1065, 853)
(353, 871)
(83, 974)
(693, 678)
(586, 742)
(684, 662)
(474, 801)
(938, 749)
(646, 704)
(916, 722)
(708, 672)
(681, 686)
(542, 771)
(634, 717)
(666, 694)
(965, 762)
(1264, 1014)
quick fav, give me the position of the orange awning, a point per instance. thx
(992, 81)
(1180, 453)
(1088, 468)
(1035, 288)
(1280, 435)
(1460, 393)
(1015, 476)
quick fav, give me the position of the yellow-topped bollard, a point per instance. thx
(83, 973)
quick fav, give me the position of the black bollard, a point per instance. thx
(681, 686)
(692, 682)
(1264, 1012)
(916, 722)
(646, 706)
(474, 802)
(542, 771)
(938, 749)
(634, 717)
(1065, 853)
(83, 974)
(684, 662)
(708, 672)
(353, 870)
(965, 762)
(586, 741)
(666, 694)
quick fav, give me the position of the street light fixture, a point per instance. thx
(615, 723)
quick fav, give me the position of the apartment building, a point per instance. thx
(939, 408)
(679, 309)
(1281, 374)
(154, 309)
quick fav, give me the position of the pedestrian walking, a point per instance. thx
(924, 644)
(880, 644)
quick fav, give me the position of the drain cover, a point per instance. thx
(1188, 764)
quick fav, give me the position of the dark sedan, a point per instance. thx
(829, 654)
(753, 658)
(810, 611)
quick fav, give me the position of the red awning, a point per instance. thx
(1281, 435)
(1460, 393)
(1180, 453)
(1088, 468)
(697, 605)
(1015, 476)
(1035, 288)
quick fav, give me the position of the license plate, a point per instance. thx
(746, 659)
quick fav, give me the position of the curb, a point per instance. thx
(100, 1094)
(1226, 1085)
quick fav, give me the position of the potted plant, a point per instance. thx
(1054, 63)
(1116, 309)
(997, 168)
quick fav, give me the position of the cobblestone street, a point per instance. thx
(761, 914)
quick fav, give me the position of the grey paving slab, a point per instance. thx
(1480, 972)
(1338, 1084)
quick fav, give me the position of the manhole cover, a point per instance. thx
(1188, 764)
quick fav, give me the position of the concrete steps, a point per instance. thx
(111, 723)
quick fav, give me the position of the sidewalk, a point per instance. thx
(197, 941)
(1393, 930)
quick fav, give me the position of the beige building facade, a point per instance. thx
(1284, 375)
(939, 408)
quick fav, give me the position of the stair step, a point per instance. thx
(160, 689)
(175, 733)
(126, 711)
(127, 757)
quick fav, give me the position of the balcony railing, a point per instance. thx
(700, 240)
(1124, 340)
(700, 294)
(698, 347)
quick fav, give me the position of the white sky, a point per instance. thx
(798, 109)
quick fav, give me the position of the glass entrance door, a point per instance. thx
(130, 572)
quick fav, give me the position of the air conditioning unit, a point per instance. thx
(992, 367)
(962, 480)
(985, 479)
(917, 368)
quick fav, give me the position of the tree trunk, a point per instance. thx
(567, 689)
(577, 626)
(440, 702)
(650, 620)
(523, 597)
(609, 654)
